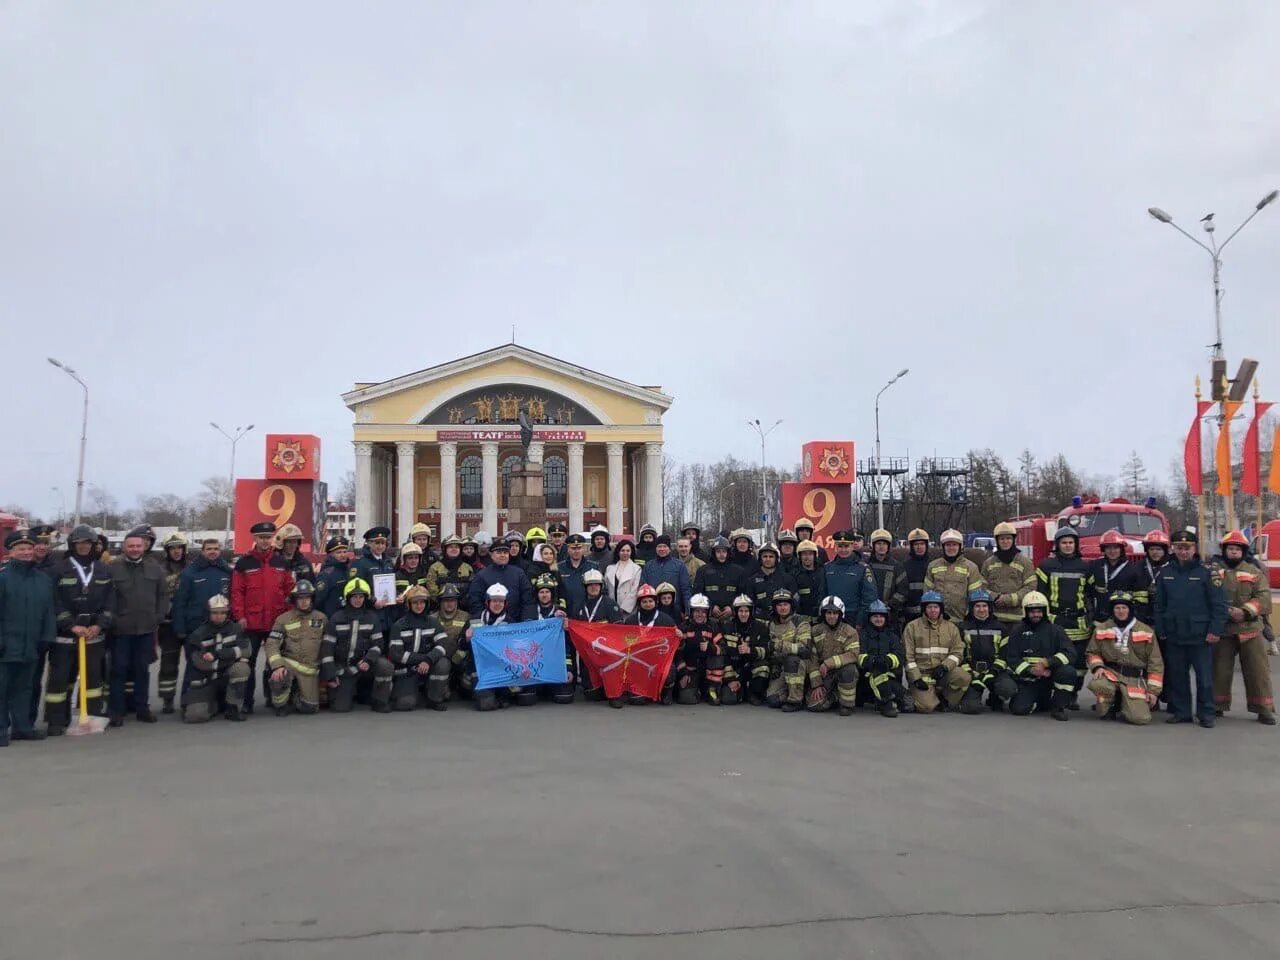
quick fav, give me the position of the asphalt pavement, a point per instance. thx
(580, 831)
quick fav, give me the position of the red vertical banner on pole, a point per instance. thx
(1251, 478)
(1191, 452)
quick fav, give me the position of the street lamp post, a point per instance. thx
(84, 433)
(879, 475)
(723, 490)
(764, 495)
(1214, 249)
(231, 480)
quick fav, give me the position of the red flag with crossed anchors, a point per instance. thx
(625, 659)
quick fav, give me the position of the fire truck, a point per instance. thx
(1091, 518)
(8, 521)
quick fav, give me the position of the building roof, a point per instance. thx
(371, 391)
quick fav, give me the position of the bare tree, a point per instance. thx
(1134, 476)
(345, 490)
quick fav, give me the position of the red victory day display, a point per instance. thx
(625, 659)
(293, 456)
(827, 506)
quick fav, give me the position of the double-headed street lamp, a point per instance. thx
(84, 432)
(764, 496)
(880, 476)
(231, 480)
(1214, 249)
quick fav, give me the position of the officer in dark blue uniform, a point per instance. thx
(1190, 613)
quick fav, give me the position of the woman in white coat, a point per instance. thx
(622, 578)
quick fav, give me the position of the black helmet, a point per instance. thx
(82, 534)
(144, 531)
(450, 592)
(721, 543)
(303, 588)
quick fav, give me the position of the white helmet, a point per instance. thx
(496, 592)
(832, 603)
(699, 601)
(483, 538)
(951, 536)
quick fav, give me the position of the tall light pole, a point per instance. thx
(879, 475)
(764, 496)
(1214, 249)
(231, 480)
(84, 433)
(725, 489)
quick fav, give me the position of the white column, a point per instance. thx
(364, 486)
(448, 489)
(653, 484)
(615, 487)
(574, 502)
(406, 494)
(489, 488)
(536, 448)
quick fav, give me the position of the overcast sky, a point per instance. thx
(233, 211)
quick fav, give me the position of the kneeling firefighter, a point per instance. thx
(420, 660)
(1041, 661)
(217, 666)
(352, 654)
(880, 663)
(834, 672)
(293, 653)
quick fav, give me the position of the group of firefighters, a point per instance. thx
(783, 625)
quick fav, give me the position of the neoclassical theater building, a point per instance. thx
(438, 445)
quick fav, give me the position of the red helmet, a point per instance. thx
(646, 590)
(1235, 538)
(1156, 538)
(1112, 538)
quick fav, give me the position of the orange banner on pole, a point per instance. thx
(1273, 479)
(1222, 459)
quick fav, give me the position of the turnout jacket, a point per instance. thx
(881, 650)
(955, 580)
(1044, 643)
(891, 582)
(720, 583)
(916, 568)
(83, 596)
(226, 641)
(351, 635)
(449, 570)
(1144, 589)
(330, 584)
(414, 639)
(1247, 590)
(1127, 654)
(1009, 576)
(761, 584)
(1067, 584)
(698, 640)
(453, 633)
(295, 640)
(811, 588)
(755, 635)
(984, 647)
(931, 644)
(789, 637)
(1106, 579)
(836, 646)
(299, 566)
(599, 610)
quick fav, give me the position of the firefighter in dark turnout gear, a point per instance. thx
(409, 572)
(833, 671)
(746, 643)
(596, 608)
(1064, 580)
(84, 606)
(889, 575)
(492, 614)
(217, 666)
(788, 546)
(455, 625)
(1113, 572)
(173, 563)
(804, 531)
(1190, 615)
(916, 567)
(419, 659)
(768, 579)
(700, 653)
(1039, 655)
(880, 663)
(353, 649)
(550, 604)
(720, 581)
(1155, 549)
(811, 580)
(984, 658)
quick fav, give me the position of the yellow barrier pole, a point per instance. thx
(84, 685)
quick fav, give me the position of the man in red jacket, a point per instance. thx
(260, 587)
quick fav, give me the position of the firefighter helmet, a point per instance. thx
(878, 606)
(1111, 538)
(980, 596)
(592, 576)
(769, 547)
(742, 600)
(410, 549)
(930, 596)
(450, 591)
(1005, 529)
(452, 541)
(646, 590)
(699, 601)
(665, 587)
(1064, 532)
(1035, 599)
(545, 581)
(496, 592)
(788, 536)
(832, 603)
(1235, 539)
(419, 528)
(782, 595)
(881, 534)
(355, 585)
(1156, 538)
(721, 543)
(288, 532)
(416, 592)
(807, 545)
(918, 534)
(951, 536)
(219, 603)
(303, 588)
(82, 534)
(536, 533)
(175, 539)
(1122, 596)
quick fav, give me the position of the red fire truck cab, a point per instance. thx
(1091, 518)
(8, 521)
(1266, 545)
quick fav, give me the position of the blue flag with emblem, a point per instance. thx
(519, 654)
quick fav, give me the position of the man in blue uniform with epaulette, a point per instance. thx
(1190, 613)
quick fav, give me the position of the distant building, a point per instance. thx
(339, 521)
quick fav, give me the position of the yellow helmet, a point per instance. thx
(882, 534)
(918, 534)
(951, 536)
(174, 539)
(1034, 599)
(1005, 529)
(807, 545)
(418, 528)
(665, 587)
(410, 549)
(416, 592)
(535, 533)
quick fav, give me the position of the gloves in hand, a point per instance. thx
(940, 673)
(920, 685)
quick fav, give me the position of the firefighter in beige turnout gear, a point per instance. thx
(1125, 668)
(293, 653)
(788, 655)
(934, 650)
(833, 670)
(1248, 604)
(953, 575)
(1008, 575)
